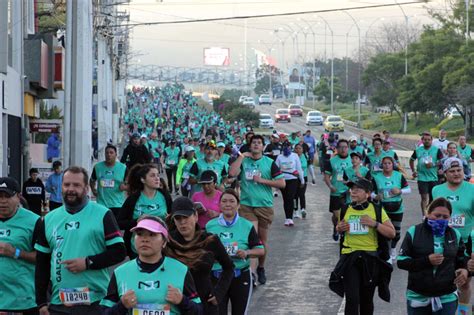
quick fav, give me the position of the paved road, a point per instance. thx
(302, 257)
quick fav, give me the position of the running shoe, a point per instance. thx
(393, 254)
(287, 222)
(297, 214)
(262, 278)
(254, 280)
(290, 222)
(313, 182)
(303, 213)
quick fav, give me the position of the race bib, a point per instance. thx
(171, 162)
(357, 228)
(428, 159)
(287, 166)
(387, 193)
(151, 309)
(249, 174)
(457, 221)
(75, 296)
(231, 248)
(276, 152)
(340, 176)
(330, 152)
(107, 183)
(376, 167)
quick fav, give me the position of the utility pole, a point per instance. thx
(80, 94)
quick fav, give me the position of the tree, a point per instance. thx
(51, 16)
(263, 78)
(233, 95)
(323, 91)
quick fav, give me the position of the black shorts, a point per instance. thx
(337, 202)
(426, 187)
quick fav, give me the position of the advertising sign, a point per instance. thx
(216, 56)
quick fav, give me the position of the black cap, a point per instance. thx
(363, 183)
(208, 177)
(356, 154)
(135, 135)
(182, 206)
(9, 185)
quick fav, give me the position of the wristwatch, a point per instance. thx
(17, 253)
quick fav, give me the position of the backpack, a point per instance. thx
(383, 250)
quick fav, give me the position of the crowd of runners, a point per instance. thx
(179, 224)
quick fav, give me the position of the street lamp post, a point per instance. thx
(314, 60)
(359, 70)
(332, 62)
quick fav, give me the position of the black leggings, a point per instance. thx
(289, 194)
(239, 294)
(359, 295)
(171, 176)
(300, 195)
(396, 219)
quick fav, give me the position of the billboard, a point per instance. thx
(216, 56)
(296, 74)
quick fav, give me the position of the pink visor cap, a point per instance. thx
(152, 226)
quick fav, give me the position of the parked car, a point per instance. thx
(264, 99)
(314, 117)
(242, 99)
(295, 110)
(266, 121)
(282, 114)
(333, 123)
(249, 101)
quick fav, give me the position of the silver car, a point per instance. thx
(314, 117)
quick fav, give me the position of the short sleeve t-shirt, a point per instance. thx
(254, 194)
(424, 157)
(109, 180)
(462, 201)
(361, 237)
(209, 204)
(335, 169)
(155, 206)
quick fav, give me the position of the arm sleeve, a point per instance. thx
(43, 192)
(405, 260)
(115, 249)
(43, 265)
(461, 257)
(23, 190)
(275, 170)
(344, 176)
(413, 156)
(227, 274)
(374, 185)
(406, 189)
(395, 157)
(439, 154)
(94, 175)
(253, 239)
(194, 170)
(191, 304)
(328, 167)
(124, 157)
(111, 304)
(368, 176)
(125, 217)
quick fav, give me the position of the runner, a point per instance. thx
(184, 169)
(389, 186)
(152, 283)
(156, 147)
(207, 200)
(147, 194)
(301, 193)
(428, 157)
(171, 157)
(209, 162)
(364, 230)
(334, 179)
(34, 192)
(460, 195)
(357, 170)
(442, 143)
(76, 244)
(466, 153)
(110, 178)
(19, 230)
(53, 186)
(452, 151)
(354, 147)
(135, 153)
(199, 251)
(373, 159)
(241, 241)
(433, 255)
(258, 174)
(312, 145)
(290, 165)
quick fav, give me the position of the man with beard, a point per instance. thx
(208, 162)
(18, 232)
(135, 153)
(76, 244)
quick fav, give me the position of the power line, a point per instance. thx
(243, 17)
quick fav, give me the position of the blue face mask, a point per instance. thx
(438, 226)
(286, 151)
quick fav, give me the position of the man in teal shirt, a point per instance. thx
(110, 178)
(18, 232)
(258, 174)
(428, 158)
(79, 241)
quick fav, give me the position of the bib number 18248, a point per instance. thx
(75, 296)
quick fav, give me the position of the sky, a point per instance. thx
(183, 44)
